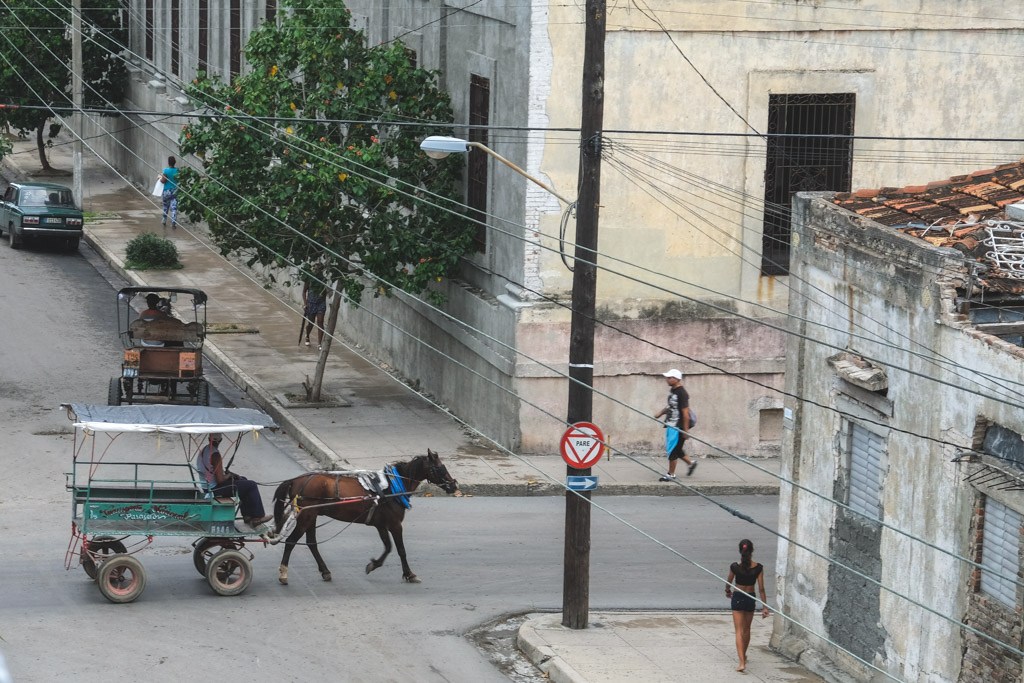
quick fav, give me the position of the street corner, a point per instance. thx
(498, 640)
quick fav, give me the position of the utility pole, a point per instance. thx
(576, 579)
(76, 100)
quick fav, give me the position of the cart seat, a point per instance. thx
(165, 330)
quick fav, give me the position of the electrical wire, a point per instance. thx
(883, 587)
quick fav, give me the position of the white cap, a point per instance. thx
(673, 373)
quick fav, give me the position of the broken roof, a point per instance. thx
(965, 212)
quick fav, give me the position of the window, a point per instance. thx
(1000, 552)
(865, 451)
(149, 30)
(175, 37)
(271, 11)
(204, 35)
(798, 159)
(235, 38)
(476, 188)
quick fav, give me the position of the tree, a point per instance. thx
(307, 166)
(35, 61)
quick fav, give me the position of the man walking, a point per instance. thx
(677, 409)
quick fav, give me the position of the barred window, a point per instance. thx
(801, 158)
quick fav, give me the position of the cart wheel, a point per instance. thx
(121, 579)
(229, 572)
(114, 392)
(203, 397)
(103, 546)
(204, 550)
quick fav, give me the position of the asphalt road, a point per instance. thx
(479, 558)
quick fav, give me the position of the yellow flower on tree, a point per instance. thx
(288, 130)
(343, 177)
(393, 95)
(273, 70)
(292, 106)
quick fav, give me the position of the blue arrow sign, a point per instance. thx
(581, 483)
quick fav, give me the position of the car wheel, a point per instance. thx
(14, 240)
(72, 243)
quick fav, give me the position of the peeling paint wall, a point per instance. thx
(899, 314)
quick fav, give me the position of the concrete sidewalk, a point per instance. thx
(375, 418)
(652, 647)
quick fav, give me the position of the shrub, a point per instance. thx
(147, 251)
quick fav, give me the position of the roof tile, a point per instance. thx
(944, 212)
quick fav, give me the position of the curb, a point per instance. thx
(544, 658)
(533, 489)
(305, 438)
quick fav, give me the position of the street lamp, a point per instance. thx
(440, 146)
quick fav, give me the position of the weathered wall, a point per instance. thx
(889, 299)
(700, 245)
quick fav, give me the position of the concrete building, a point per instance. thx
(901, 536)
(694, 231)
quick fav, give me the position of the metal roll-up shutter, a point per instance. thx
(866, 474)
(1000, 552)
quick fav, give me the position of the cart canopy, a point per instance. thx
(170, 419)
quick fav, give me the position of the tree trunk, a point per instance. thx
(330, 325)
(42, 146)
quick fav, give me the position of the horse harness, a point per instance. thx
(376, 484)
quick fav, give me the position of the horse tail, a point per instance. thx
(281, 497)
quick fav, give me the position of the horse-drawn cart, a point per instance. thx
(114, 499)
(163, 353)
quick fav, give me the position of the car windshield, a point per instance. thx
(37, 196)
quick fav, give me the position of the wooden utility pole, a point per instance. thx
(576, 579)
(76, 100)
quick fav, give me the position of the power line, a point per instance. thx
(983, 635)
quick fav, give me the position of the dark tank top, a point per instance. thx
(746, 577)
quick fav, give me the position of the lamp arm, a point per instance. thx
(488, 150)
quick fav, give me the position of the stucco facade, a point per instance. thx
(884, 352)
(681, 224)
(664, 262)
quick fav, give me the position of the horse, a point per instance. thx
(342, 497)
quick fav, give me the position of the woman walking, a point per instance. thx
(745, 574)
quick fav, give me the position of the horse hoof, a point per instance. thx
(412, 578)
(370, 566)
(282, 575)
(327, 576)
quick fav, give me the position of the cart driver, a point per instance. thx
(221, 483)
(154, 311)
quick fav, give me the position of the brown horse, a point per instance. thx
(342, 497)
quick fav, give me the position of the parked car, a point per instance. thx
(40, 211)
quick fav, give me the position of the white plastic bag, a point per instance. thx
(158, 189)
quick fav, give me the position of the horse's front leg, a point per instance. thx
(387, 550)
(289, 544)
(311, 542)
(400, 547)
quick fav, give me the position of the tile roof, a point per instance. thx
(955, 213)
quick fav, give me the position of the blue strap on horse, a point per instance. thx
(397, 487)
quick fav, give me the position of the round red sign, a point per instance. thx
(582, 445)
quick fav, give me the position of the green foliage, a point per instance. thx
(303, 184)
(35, 55)
(149, 252)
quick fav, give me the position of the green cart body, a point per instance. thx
(114, 500)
